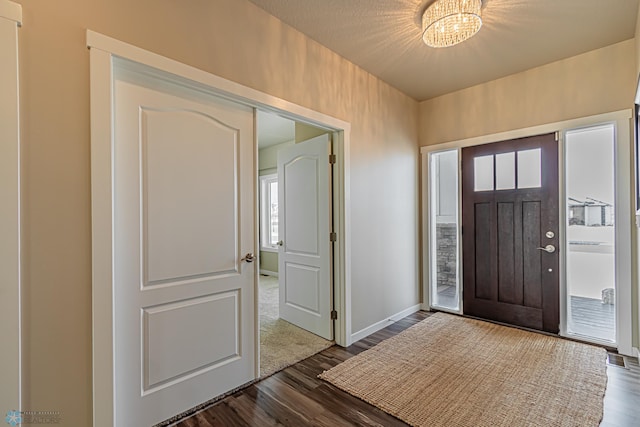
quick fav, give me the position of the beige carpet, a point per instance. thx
(452, 371)
(281, 343)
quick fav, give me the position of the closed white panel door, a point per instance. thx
(183, 209)
(304, 261)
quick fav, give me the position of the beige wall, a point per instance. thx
(238, 41)
(269, 261)
(595, 82)
(305, 131)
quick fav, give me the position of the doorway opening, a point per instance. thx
(591, 233)
(285, 340)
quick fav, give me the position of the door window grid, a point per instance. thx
(506, 171)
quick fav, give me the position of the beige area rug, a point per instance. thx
(452, 371)
(281, 343)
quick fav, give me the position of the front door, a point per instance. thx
(183, 222)
(510, 230)
(304, 256)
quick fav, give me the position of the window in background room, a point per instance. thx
(269, 212)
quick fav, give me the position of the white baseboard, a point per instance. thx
(269, 273)
(363, 333)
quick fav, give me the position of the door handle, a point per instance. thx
(249, 257)
(549, 249)
(280, 243)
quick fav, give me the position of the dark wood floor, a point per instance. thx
(296, 397)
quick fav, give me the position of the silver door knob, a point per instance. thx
(549, 248)
(280, 243)
(249, 257)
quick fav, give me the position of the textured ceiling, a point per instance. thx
(384, 37)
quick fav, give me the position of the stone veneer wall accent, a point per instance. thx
(446, 253)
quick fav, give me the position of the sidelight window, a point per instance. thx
(444, 253)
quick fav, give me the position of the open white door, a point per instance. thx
(304, 258)
(183, 219)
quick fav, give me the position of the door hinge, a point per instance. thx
(557, 136)
(332, 159)
(334, 315)
(333, 237)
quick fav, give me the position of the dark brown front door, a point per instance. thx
(509, 214)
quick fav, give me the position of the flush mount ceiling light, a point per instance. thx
(448, 22)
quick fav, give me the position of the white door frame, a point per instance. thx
(102, 51)
(10, 310)
(621, 121)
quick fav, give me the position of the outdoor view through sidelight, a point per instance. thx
(591, 228)
(445, 282)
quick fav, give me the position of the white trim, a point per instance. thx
(426, 226)
(342, 226)
(10, 262)
(101, 89)
(269, 273)
(11, 11)
(102, 51)
(623, 215)
(623, 207)
(636, 353)
(562, 233)
(363, 333)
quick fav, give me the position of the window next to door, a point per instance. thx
(269, 213)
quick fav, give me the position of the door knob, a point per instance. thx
(280, 243)
(549, 248)
(249, 257)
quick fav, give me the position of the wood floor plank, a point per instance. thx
(251, 413)
(296, 397)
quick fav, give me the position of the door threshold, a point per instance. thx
(610, 346)
(607, 346)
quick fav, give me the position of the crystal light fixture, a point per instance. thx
(448, 22)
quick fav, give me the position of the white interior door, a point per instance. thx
(304, 258)
(183, 219)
